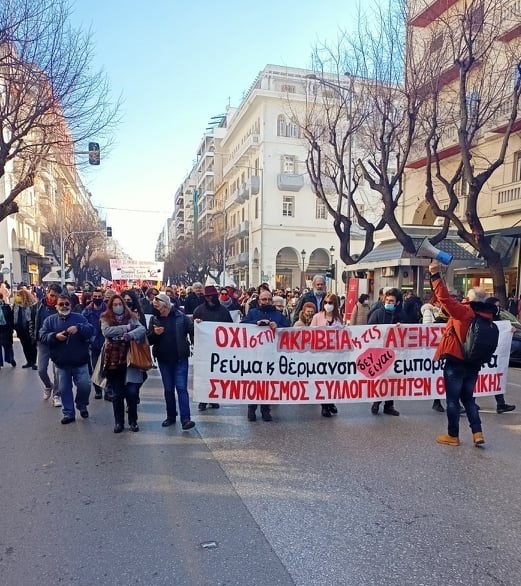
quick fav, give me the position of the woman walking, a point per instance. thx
(119, 325)
(23, 301)
(328, 317)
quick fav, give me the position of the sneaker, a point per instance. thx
(448, 440)
(374, 408)
(98, 394)
(56, 401)
(187, 424)
(46, 394)
(505, 408)
(478, 438)
(215, 405)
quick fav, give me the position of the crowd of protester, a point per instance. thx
(83, 338)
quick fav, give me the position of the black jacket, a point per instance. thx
(382, 316)
(192, 301)
(172, 345)
(217, 313)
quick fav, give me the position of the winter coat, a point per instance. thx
(93, 315)
(382, 316)
(137, 331)
(192, 301)
(461, 316)
(271, 313)
(429, 313)
(172, 345)
(218, 313)
(6, 329)
(39, 312)
(319, 321)
(75, 350)
(360, 314)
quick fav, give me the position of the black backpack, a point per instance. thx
(481, 341)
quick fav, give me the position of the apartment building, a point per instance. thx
(494, 30)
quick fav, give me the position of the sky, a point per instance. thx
(175, 65)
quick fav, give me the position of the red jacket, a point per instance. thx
(461, 316)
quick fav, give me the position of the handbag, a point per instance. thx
(139, 355)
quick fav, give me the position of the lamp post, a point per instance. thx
(333, 266)
(302, 274)
(340, 89)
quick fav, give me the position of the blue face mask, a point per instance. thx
(389, 306)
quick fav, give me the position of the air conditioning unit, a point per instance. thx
(389, 272)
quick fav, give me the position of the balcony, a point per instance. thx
(430, 13)
(255, 184)
(237, 197)
(249, 145)
(243, 258)
(244, 192)
(243, 229)
(506, 199)
(290, 182)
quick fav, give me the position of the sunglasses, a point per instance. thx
(66, 304)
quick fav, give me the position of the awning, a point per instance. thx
(54, 276)
(392, 254)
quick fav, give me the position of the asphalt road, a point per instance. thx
(356, 500)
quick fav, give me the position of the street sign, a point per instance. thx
(5, 271)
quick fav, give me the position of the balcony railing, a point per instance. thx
(243, 228)
(250, 144)
(506, 199)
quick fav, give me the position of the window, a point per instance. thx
(293, 130)
(288, 206)
(281, 126)
(436, 43)
(256, 208)
(321, 212)
(516, 175)
(288, 164)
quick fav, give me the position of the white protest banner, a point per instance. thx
(123, 269)
(236, 363)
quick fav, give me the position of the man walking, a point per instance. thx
(39, 312)
(211, 310)
(459, 375)
(67, 335)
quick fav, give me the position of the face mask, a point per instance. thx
(329, 307)
(389, 306)
(118, 309)
(64, 312)
(97, 302)
(130, 303)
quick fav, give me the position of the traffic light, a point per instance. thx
(2, 257)
(94, 153)
(330, 273)
(109, 232)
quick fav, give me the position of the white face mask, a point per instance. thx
(329, 307)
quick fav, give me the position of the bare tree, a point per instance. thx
(360, 124)
(470, 112)
(83, 237)
(50, 97)
(196, 260)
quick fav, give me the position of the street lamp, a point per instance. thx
(340, 89)
(302, 274)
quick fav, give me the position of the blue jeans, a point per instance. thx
(81, 377)
(175, 378)
(460, 381)
(44, 357)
